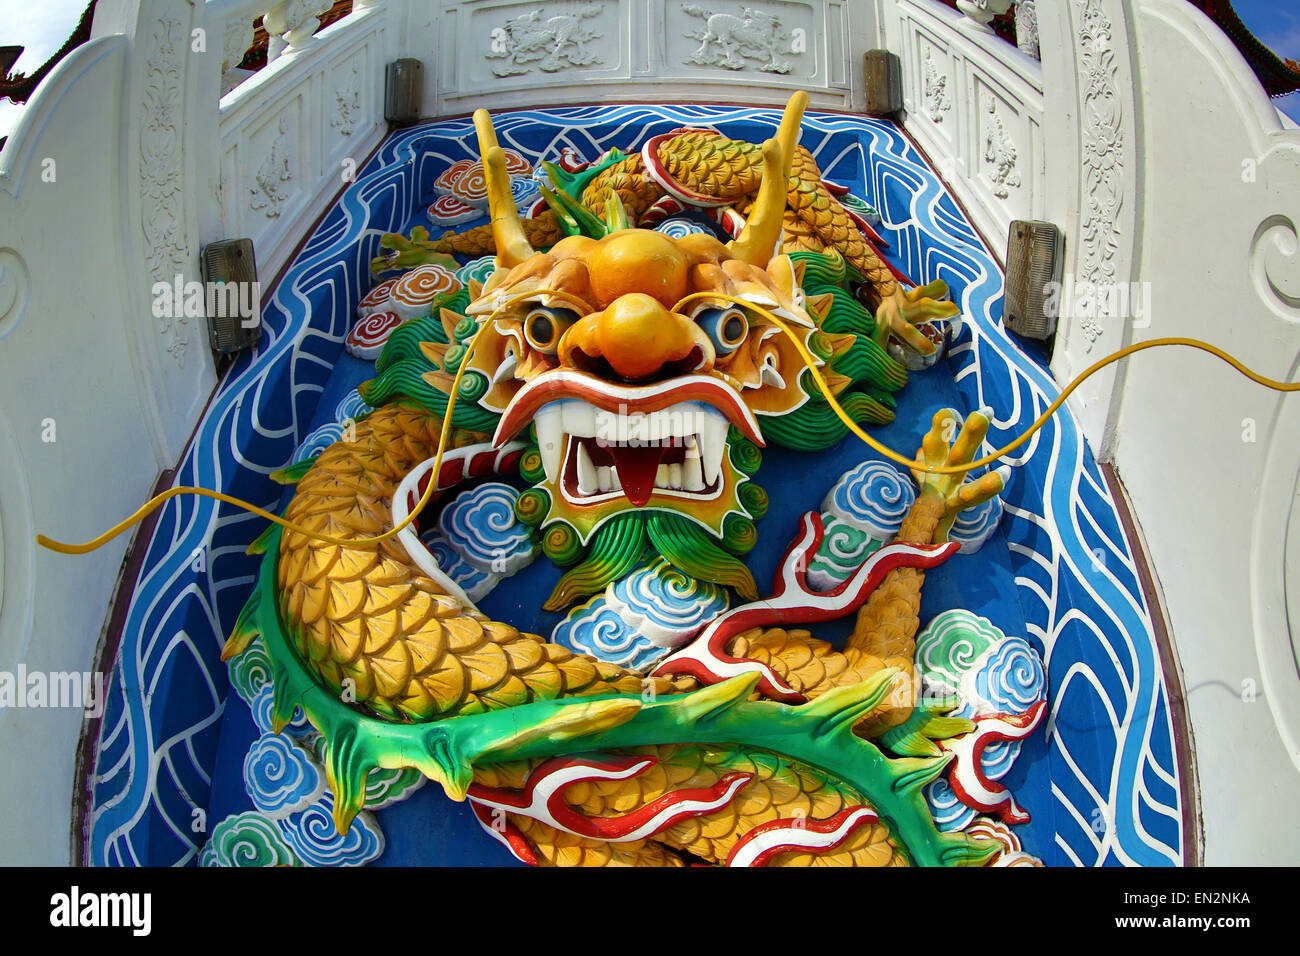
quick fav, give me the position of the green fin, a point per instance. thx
(291, 475)
(260, 543)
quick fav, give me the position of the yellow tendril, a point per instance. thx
(157, 500)
(810, 361)
(807, 357)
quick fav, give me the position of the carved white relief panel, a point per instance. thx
(560, 38)
(750, 39)
(999, 154)
(773, 37)
(236, 39)
(346, 105)
(1103, 153)
(273, 177)
(1027, 28)
(161, 195)
(934, 88)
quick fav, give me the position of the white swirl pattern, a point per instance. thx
(316, 842)
(678, 227)
(480, 525)
(281, 777)
(843, 549)
(471, 580)
(595, 628)
(665, 605)
(874, 496)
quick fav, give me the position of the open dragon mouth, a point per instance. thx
(596, 455)
(600, 440)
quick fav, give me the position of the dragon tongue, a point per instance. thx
(636, 470)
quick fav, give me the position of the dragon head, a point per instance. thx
(635, 354)
(649, 370)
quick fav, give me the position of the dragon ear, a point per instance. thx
(760, 238)
(507, 231)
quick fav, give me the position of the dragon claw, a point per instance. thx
(899, 315)
(939, 449)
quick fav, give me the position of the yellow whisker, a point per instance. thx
(810, 361)
(157, 500)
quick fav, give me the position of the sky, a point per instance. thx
(1277, 24)
(42, 25)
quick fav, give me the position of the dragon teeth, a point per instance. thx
(588, 482)
(550, 439)
(713, 445)
(700, 428)
(692, 472)
(506, 370)
(579, 419)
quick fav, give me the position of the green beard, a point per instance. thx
(624, 541)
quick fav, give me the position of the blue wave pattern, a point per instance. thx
(247, 839)
(476, 270)
(678, 227)
(262, 706)
(167, 691)
(1011, 679)
(316, 842)
(974, 525)
(471, 580)
(665, 601)
(1087, 616)
(843, 549)
(946, 807)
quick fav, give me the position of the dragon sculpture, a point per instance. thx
(631, 379)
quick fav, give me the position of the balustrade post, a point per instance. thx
(290, 25)
(1027, 28)
(980, 13)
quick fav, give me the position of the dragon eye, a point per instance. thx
(543, 327)
(726, 328)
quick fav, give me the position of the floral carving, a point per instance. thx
(235, 41)
(270, 189)
(348, 99)
(161, 197)
(1027, 28)
(999, 151)
(1103, 150)
(934, 90)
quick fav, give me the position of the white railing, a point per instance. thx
(1182, 202)
(290, 135)
(125, 163)
(974, 103)
(519, 53)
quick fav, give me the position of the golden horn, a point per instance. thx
(788, 133)
(507, 231)
(758, 241)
